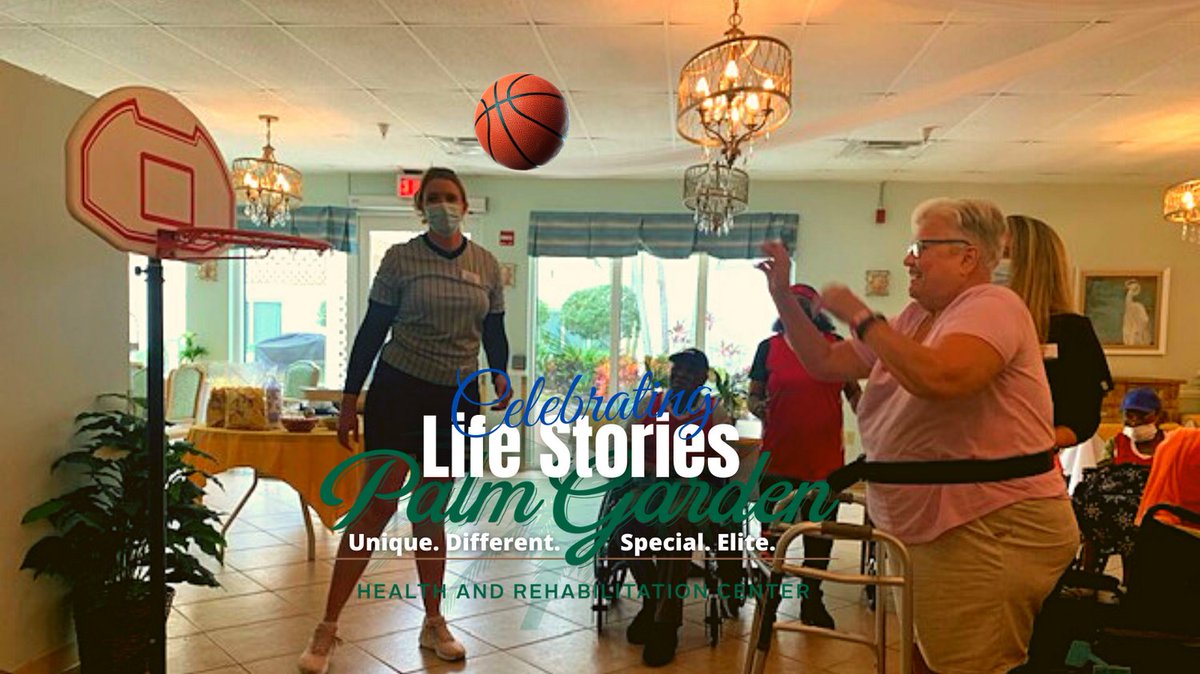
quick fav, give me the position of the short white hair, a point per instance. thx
(979, 220)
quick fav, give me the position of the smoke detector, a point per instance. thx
(459, 146)
(887, 149)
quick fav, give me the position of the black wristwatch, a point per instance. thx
(860, 327)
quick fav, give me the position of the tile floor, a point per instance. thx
(272, 597)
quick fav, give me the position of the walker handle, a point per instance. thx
(858, 532)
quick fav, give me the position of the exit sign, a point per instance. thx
(407, 185)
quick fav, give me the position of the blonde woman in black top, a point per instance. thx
(1038, 271)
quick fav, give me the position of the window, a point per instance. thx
(174, 310)
(658, 312)
(295, 305)
(739, 314)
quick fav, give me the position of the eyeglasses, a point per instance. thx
(917, 247)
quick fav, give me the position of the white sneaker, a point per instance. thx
(315, 658)
(436, 637)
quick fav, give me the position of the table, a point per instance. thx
(302, 460)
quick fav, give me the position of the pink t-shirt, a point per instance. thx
(1011, 416)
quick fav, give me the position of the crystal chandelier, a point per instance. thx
(715, 192)
(1181, 205)
(269, 189)
(734, 91)
(730, 94)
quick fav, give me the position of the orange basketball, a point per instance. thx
(521, 121)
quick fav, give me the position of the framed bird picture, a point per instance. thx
(1128, 309)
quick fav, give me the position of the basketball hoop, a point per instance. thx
(171, 242)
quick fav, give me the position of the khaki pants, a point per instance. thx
(978, 587)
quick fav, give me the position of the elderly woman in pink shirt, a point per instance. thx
(957, 375)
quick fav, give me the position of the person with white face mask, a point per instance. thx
(1141, 435)
(441, 297)
(1106, 502)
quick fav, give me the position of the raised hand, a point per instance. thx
(840, 301)
(777, 267)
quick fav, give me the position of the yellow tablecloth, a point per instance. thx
(300, 459)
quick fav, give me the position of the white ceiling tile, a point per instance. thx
(264, 55)
(609, 12)
(964, 156)
(626, 116)
(1111, 68)
(1017, 118)
(1155, 119)
(1180, 74)
(235, 112)
(376, 57)
(39, 52)
(877, 11)
(348, 112)
(514, 49)
(324, 12)
(860, 57)
(888, 125)
(86, 12)
(459, 12)
(436, 113)
(756, 14)
(153, 55)
(206, 13)
(629, 58)
(959, 49)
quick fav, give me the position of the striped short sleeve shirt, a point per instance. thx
(442, 300)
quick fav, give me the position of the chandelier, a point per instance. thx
(735, 90)
(1181, 205)
(715, 192)
(269, 189)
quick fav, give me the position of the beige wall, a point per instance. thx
(1110, 226)
(64, 340)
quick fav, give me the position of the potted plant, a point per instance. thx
(190, 349)
(732, 391)
(100, 543)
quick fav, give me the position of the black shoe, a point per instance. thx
(638, 632)
(660, 648)
(813, 612)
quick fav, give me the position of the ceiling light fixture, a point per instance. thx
(1181, 205)
(269, 189)
(730, 94)
(734, 91)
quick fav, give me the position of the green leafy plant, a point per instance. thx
(190, 349)
(100, 545)
(733, 390)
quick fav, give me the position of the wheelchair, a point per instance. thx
(610, 573)
(1150, 626)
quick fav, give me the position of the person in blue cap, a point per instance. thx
(1141, 411)
(1106, 501)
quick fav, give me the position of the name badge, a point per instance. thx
(1049, 352)
(470, 277)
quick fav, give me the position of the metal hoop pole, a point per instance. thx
(156, 497)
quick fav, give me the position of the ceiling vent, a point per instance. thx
(887, 149)
(458, 146)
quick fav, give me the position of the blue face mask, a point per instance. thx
(1002, 274)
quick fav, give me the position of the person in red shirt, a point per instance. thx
(802, 428)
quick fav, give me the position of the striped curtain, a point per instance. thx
(665, 235)
(338, 226)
